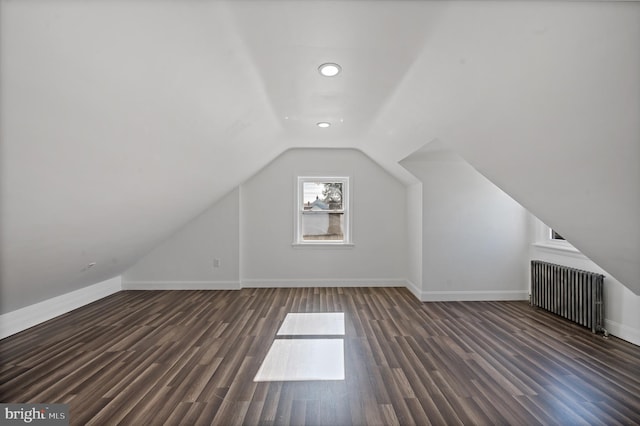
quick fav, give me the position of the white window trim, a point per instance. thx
(546, 241)
(346, 200)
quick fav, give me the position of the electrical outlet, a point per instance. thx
(216, 263)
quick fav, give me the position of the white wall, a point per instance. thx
(251, 232)
(23, 318)
(543, 98)
(378, 208)
(622, 306)
(414, 235)
(552, 118)
(121, 121)
(186, 259)
(475, 238)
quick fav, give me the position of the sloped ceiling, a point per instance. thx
(120, 121)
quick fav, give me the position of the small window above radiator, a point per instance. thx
(550, 238)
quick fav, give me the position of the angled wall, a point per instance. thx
(542, 98)
(187, 259)
(475, 238)
(621, 305)
(250, 231)
(556, 124)
(121, 121)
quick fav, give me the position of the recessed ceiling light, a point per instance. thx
(323, 124)
(329, 69)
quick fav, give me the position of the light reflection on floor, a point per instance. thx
(306, 358)
(309, 324)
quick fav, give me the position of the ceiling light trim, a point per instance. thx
(329, 69)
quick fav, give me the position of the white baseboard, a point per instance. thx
(21, 319)
(181, 285)
(413, 288)
(622, 331)
(318, 282)
(468, 296)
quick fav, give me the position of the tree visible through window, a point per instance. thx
(322, 210)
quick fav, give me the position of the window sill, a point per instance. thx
(559, 248)
(324, 245)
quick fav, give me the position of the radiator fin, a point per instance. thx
(571, 293)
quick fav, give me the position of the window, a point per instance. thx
(549, 239)
(322, 210)
(558, 240)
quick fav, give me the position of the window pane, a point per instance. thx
(322, 226)
(322, 196)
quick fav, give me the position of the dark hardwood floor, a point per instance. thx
(189, 357)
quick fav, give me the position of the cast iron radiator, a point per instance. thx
(571, 293)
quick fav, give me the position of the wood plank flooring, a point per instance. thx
(189, 358)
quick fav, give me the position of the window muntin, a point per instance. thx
(322, 210)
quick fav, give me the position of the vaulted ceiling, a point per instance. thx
(120, 121)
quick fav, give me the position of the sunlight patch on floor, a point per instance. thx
(305, 359)
(315, 358)
(310, 324)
